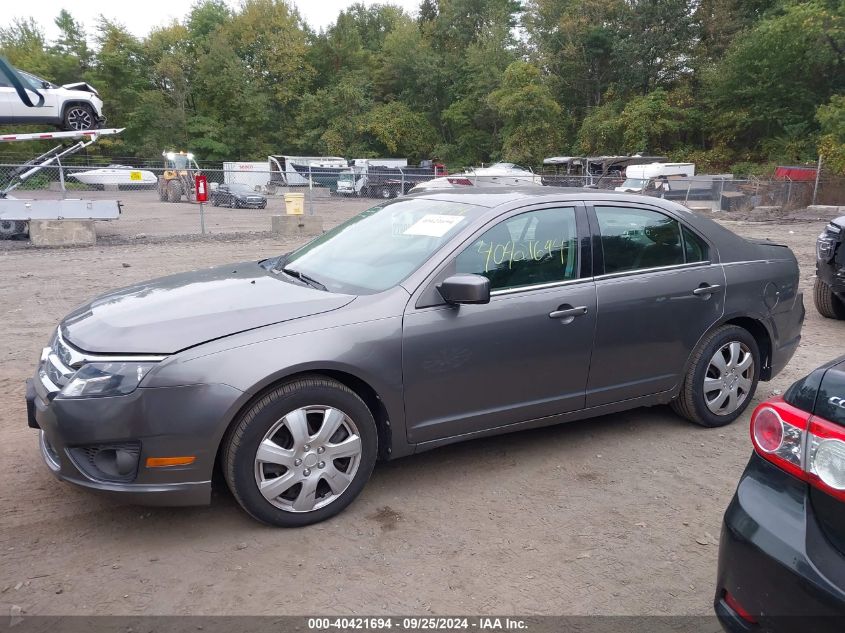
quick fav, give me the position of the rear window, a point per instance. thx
(830, 403)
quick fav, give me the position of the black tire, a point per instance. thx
(214, 201)
(243, 438)
(828, 303)
(174, 191)
(10, 229)
(385, 193)
(79, 116)
(691, 402)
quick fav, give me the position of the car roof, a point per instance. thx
(493, 196)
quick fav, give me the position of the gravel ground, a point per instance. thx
(615, 515)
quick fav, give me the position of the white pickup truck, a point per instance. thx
(650, 176)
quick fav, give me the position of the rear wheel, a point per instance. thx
(721, 379)
(79, 117)
(302, 453)
(828, 303)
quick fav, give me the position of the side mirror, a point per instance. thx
(465, 288)
(45, 84)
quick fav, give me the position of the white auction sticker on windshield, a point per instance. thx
(433, 225)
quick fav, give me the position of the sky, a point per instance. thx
(140, 17)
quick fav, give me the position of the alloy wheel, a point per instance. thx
(79, 119)
(308, 458)
(729, 378)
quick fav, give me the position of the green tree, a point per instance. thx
(831, 118)
(775, 76)
(393, 129)
(533, 121)
(70, 56)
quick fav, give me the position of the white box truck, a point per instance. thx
(253, 174)
(652, 176)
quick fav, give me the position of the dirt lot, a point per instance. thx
(616, 515)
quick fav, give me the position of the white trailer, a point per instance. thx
(15, 213)
(255, 175)
(293, 171)
(652, 175)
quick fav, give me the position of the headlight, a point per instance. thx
(825, 248)
(106, 379)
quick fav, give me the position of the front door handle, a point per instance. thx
(568, 315)
(706, 291)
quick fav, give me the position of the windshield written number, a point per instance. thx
(510, 252)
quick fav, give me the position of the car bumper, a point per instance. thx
(775, 561)
(81, 439)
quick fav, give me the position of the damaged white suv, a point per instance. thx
(75, 106)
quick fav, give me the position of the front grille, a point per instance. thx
(108, 462)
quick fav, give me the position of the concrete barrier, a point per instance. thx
(826, 209)
(62, 233)
(297, 225)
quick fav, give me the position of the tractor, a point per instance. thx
(178, 177)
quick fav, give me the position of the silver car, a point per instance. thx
(429, 319)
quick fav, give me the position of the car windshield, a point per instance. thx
(379, 248)
(344, 177)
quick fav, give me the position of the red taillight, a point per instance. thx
(768, 430)
(460, 181)
(808, 447)
(738, 608)
(782, 446)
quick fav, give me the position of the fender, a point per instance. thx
(765, 354)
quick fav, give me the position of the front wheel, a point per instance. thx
(828, 303)
(302, 453)
(721, 379)
(174, 191)
(79, 117)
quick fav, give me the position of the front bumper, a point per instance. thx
(775, 561)
(150, 422)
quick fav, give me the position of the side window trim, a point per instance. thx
(598, 251)
(447, 265)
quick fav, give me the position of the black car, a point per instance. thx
(782, 551)
(238, 197)
(829, 289)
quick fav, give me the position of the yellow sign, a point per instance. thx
(135, 175)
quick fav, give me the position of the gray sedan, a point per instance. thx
(429, 319)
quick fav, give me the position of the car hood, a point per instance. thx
(82, 86)
(166, 315)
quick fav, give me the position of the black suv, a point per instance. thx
(782, 551)
(829, 289)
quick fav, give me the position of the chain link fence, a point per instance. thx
(243, 195)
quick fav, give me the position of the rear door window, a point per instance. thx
(638, 239)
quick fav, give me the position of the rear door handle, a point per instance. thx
(568, 314)
(706, 290)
